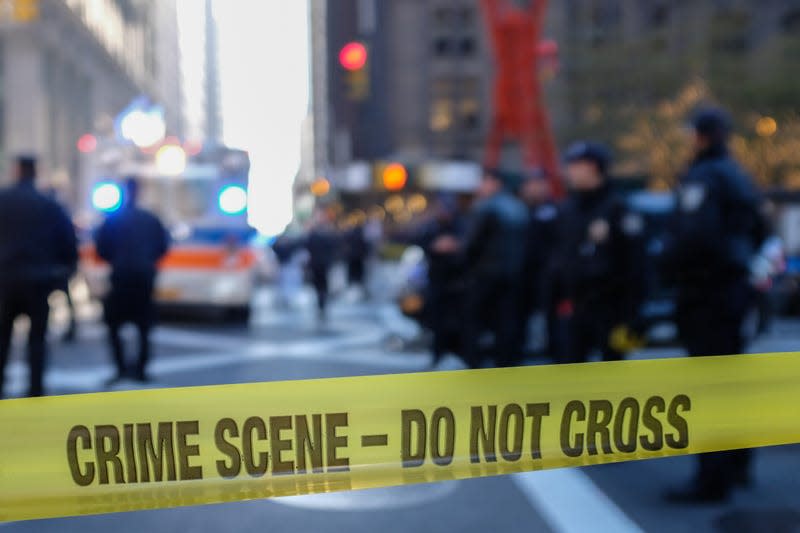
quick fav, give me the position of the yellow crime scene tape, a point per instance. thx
(102, 453)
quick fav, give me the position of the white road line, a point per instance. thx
(571, 503)
(93, 377)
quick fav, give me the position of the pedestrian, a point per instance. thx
(493, 257)
(598, 263)
(716, 233)
(445, 288)
(63, 286)
(72, 326)
(132, 241)
(322, 244)
(37, 247)
(356, 254)
(285, 249)
(540, 242)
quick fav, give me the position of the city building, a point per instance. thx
(428, 89)
(212, 88)
(199, 72)
(632, 71)
(168, 65)
(67, 67)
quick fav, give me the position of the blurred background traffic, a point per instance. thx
(319, 168)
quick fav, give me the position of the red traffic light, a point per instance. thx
(87, 143)
(353, 56)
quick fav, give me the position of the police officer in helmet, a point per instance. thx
(598, 258)
(717, 230)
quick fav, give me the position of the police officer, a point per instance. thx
(599, 257)
(37, 248)
(716, 232)
(539, 245)
(444, 292)
(493, 253)
(132, 241)
(322, 244)
(357, 251)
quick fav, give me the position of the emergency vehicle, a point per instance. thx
(201, 197)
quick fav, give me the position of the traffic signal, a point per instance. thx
(87, 143)
(321, 187)
(353, 56)
(395, 177)
(354, 59)
(26, 10)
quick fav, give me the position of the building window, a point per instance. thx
(442, 46)
(731, 32)
(443, 17)
(606, 19)
(470, 111)
(790, 22)
(441, 118)
(659, 17)
(466, 46)
(466, 16)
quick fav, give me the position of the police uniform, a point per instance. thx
(598, 265)
(131, 241)
(493, 255)
(37, 247)
(717, 230)
(445, 289)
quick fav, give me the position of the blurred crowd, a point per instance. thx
(515, 251)
(581, 265)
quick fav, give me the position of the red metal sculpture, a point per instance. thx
(519, 111)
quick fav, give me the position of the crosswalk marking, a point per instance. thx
(571, 503)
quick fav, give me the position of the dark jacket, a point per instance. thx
(356, 245)
(599, 254)
(132, 241)
(494, 245)
(539, 246)
(443, 268)
(718, 225)
(322, 244)
(37, 238)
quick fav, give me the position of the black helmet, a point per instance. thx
(713, 123)
(596, 153)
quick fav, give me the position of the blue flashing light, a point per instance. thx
(107, 197)
(233, 200)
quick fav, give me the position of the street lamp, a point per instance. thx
(395, 177)
(171, 160)
(144, 129)
(766, 127)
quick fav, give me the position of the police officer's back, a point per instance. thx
(494, 254)
(716, 232)
(445, 289)
(132, 241)
(37, 249)
(599, 256)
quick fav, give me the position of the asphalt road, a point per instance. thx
(361, 339)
